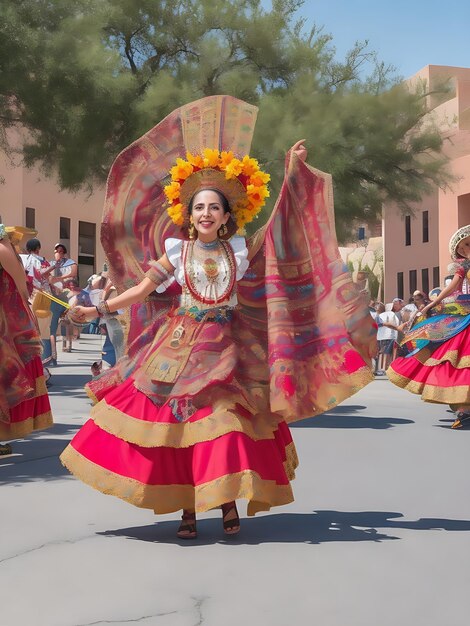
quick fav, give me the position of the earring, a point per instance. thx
(223, 230)
(192, 231)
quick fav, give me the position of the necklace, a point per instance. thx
(209, 245)
(210, 267)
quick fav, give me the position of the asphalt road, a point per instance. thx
(379, 533)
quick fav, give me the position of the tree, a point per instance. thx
(84, 79)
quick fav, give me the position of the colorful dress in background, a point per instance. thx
(438, 364)
(24, 403)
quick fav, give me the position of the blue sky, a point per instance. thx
(408, 34)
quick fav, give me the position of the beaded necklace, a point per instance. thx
(210, 268)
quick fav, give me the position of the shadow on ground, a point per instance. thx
(313, 528)
(343, 416)
(37, 457)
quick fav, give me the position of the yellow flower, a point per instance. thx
(211, 158)
(257, 194)
(195, 160)
(260, 178)
(176, 211)
(225, 159)
(172, 191)
(233, 169)
(181, 170)
(250, 166)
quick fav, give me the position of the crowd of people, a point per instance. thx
(228, 339)
(393, 319)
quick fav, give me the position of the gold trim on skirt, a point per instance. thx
(458, 394)
(261, 494)
(16, 430)
(221, 421)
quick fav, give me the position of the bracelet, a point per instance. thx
(98, 311)
(157, 273)
(103, 308)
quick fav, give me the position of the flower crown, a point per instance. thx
(239, 180)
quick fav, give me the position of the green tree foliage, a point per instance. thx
(86, 78)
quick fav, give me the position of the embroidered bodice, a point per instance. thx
(207, 274)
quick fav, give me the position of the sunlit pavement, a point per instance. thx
(379, 534)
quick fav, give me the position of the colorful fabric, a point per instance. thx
(439, 375)
(437, 365)
(445, 321)
(195, 414)
(24, 404)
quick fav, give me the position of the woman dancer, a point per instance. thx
(438, 365)
(24, 403)
(263, 332)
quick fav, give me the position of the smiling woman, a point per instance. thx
(229, 339)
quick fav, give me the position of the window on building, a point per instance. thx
(436, 277)
(407, 230)
(425, 280)
(361, 233)
(64, 231)
(413, 281)
(86, 250)
(400, 289)
(425, 226)
(30, 217)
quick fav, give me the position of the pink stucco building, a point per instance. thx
(416, 252)
(27, 198)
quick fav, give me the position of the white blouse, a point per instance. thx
(173, 249)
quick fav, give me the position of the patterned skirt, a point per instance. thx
(177, 428)
(439, 367)
(24, 403)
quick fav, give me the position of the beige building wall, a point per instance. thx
(410, 261)
(27, 198)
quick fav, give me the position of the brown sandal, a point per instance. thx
(187, 529)
(5, 449)
(232, 525)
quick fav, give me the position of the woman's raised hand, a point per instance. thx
(300, 150)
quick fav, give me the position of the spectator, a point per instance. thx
(63, 268)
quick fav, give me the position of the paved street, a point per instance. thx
(379, 534)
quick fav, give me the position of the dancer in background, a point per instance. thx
(228, 340)
(24, 403)
(438, 365)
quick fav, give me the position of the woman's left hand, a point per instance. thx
(300, 150)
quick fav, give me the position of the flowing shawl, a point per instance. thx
(304, 333)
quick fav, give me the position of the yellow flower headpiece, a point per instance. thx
(239, 180)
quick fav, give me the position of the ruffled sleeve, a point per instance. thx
(241, 255)
(3, 231)
(173, 252)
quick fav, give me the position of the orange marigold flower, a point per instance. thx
(172, 191)
(260, 178)
(181, 170)
(250, 166)
(257, 194)
(195, 160)
(211, 158)
(225, 158)
(233, 169)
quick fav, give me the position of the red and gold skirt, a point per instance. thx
(442, 375)
(186, 451)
